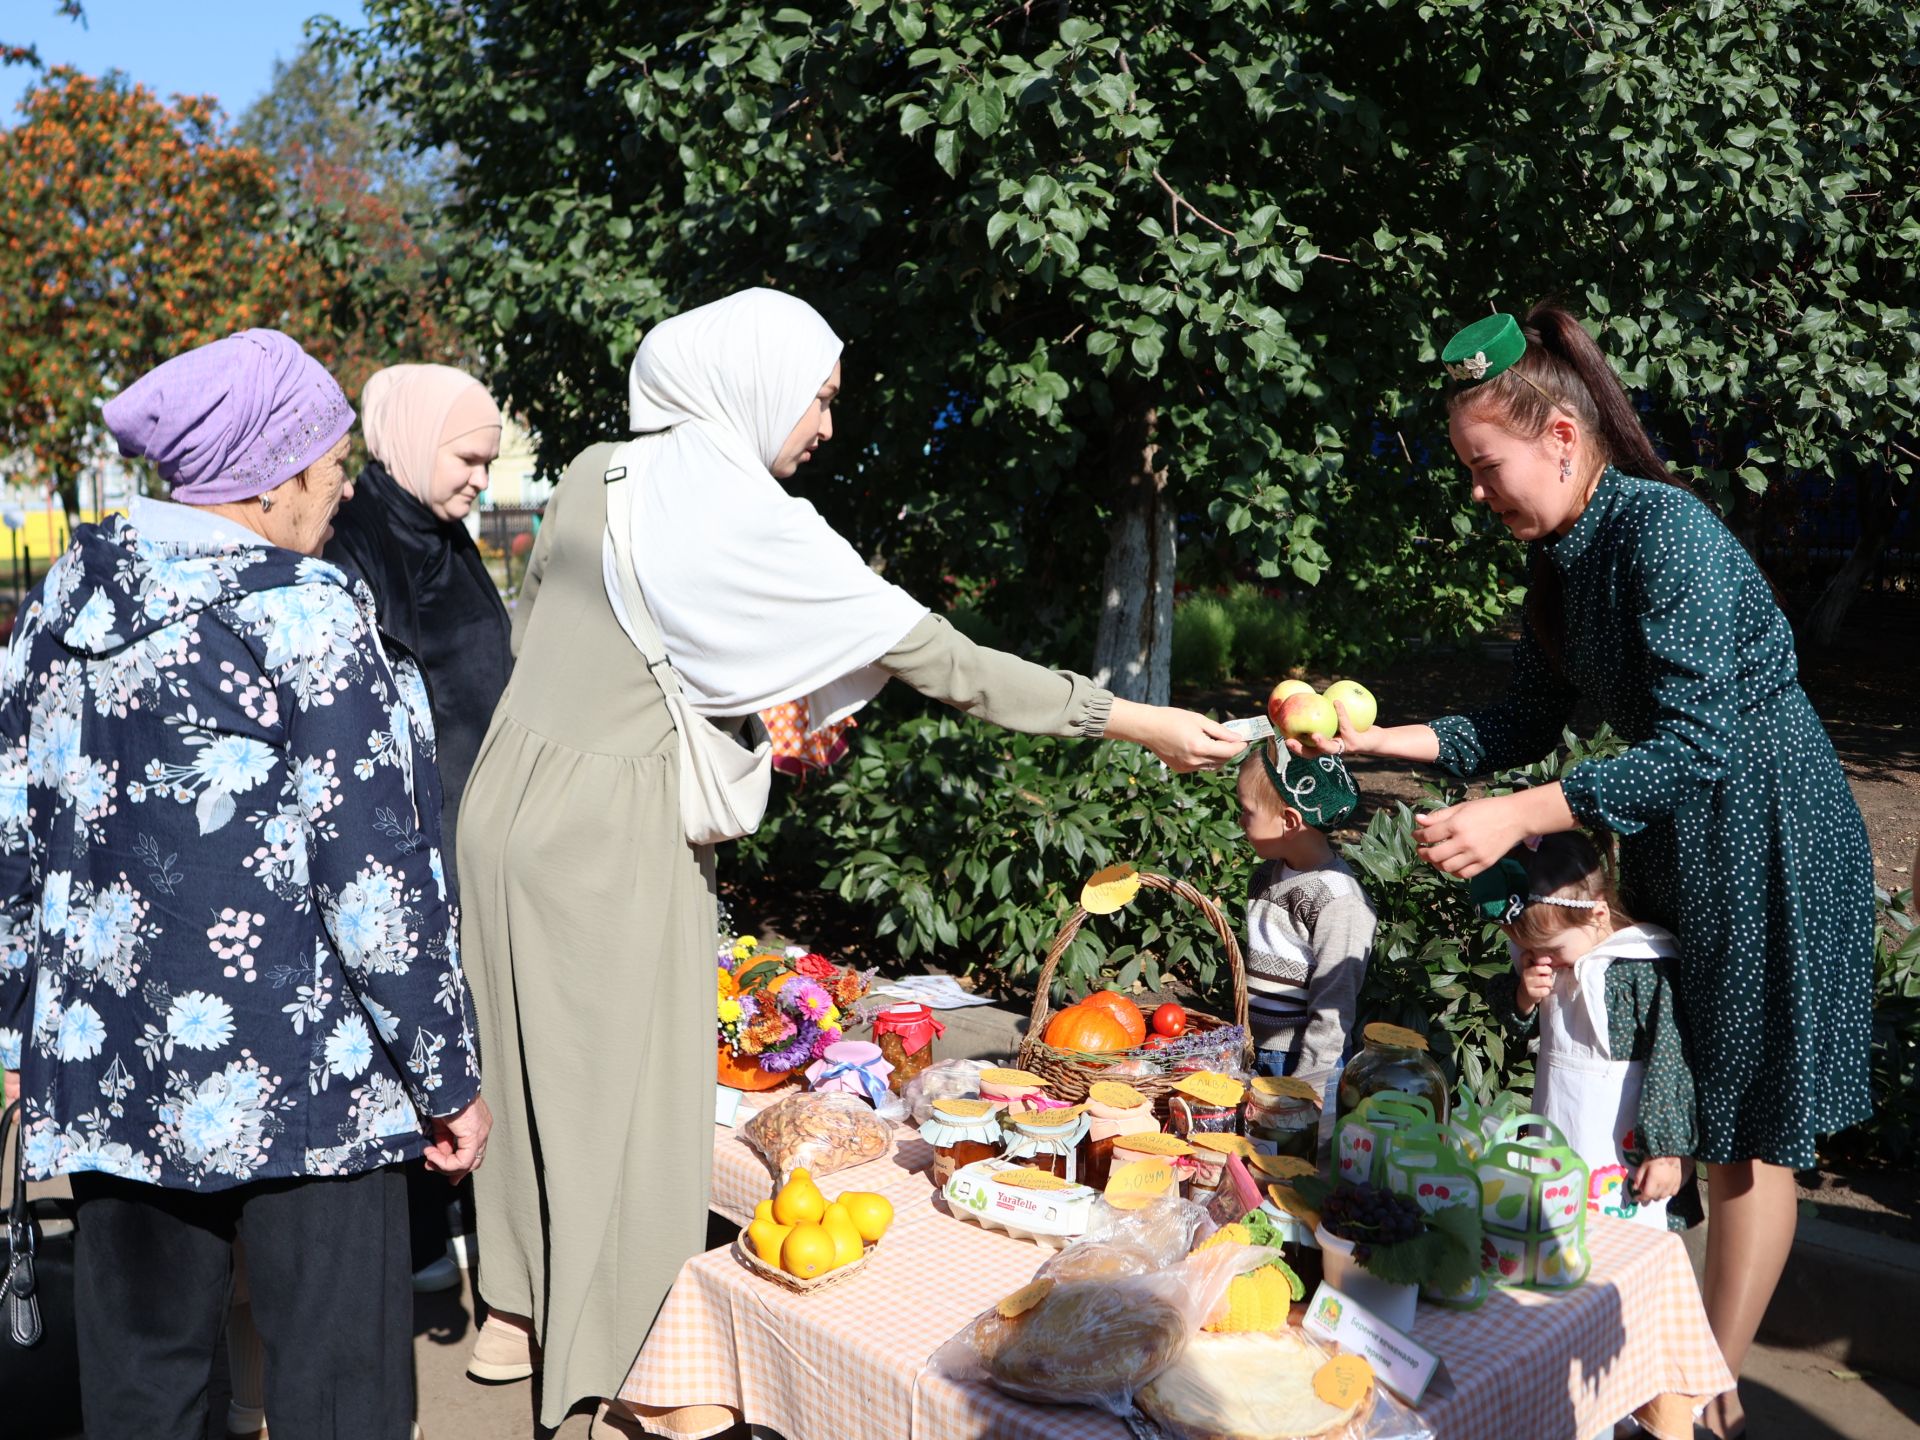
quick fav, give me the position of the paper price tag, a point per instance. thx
(1109, 889)
(1223, 1144)
(1284, 1167)
(1134, 1186)
(1290, 1087)
(1404, 1365)
(1343, 1380)
(1211, 1088)
(1024, 1299)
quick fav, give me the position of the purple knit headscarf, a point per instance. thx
(232, 419)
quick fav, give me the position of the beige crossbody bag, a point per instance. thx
(725, 775)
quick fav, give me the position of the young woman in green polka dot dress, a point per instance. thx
(1738, 830)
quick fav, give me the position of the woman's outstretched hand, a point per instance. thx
(1184, 739)
(1465, 839)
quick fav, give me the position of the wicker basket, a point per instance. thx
(1069, 1073)
(743, 1251)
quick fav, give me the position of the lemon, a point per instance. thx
(766, 1235)
(871, 1213)
(846, 1240)
(799, 1201)
(807, 1251)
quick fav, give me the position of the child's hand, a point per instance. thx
(1536, 983)
(1658, 1179)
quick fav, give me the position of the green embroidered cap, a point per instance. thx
(1318, 786)
(1499, 892)
(1485, 348)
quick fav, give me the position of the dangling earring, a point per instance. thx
(266, 501)
(1566, 469)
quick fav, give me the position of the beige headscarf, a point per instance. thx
(409, 411)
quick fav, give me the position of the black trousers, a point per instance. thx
(328, 1263)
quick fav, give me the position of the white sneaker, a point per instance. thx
(442, 1274)
(244, 1422)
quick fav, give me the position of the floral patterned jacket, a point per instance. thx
(228, 952)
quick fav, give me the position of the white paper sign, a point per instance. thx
(1404, 1366)
(726, 1105)
(936, 992)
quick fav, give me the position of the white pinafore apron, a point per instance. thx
(1592, 1097)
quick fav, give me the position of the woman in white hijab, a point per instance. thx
(589, 921)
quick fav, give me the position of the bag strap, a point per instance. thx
(620, 478)
(18, 1302)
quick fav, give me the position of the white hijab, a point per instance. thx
(756, 597)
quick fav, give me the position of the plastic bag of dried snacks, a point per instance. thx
(818, 1132)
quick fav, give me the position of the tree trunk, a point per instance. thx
(1133, 653)
(1876, 525)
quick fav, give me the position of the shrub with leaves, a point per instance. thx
(970, 844)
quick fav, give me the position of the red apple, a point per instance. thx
(1354, 698)
(1281, 694)
(1309, 714)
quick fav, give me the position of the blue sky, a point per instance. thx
(224, 48)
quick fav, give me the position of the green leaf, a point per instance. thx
(1147, 350)
(947, 151)
(914, 119)
(1098, 277)
(986, 109)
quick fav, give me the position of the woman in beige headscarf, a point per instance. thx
(431, 433)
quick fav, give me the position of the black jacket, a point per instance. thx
(432, 593)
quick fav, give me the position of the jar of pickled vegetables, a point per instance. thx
(1283, 1116)
(1395, 1058)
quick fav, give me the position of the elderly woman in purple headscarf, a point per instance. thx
(229, 973)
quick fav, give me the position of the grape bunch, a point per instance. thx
(1370, 1217)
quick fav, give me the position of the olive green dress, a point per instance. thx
(1739, 831)
(588, 928)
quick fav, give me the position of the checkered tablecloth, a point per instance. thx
(850, 1362)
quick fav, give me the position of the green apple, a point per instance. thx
(1282, 692)
(1308, 714)
(1354, 698)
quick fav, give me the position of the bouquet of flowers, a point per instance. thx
(780, 1009)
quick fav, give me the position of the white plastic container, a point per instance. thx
(1398, 1305)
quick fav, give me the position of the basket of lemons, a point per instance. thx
(805, 1242)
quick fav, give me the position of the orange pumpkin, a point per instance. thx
(746, 1074)
(1090, 1029)
(1123, 1010)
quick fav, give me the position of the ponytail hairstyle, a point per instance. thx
(1567, 866)
(1562, 370)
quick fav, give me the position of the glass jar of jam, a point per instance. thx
(905, 1035)
(1046, 1140)
(1394, 1059)
(1293, 1219)
(1283, 1116)
(1113, 1110)
(1205, 1103)
(961, 1132)
(1210, 1152)
(1016, 1089)
(1152, 1145)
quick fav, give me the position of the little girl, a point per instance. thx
(1596, 987)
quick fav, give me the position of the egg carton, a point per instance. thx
(1051, 1219)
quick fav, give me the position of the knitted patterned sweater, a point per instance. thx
(1308, 936)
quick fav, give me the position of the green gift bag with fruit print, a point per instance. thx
(1428, 1167)
(1364, 1137)
(1533, 1208)
(1474, 1127)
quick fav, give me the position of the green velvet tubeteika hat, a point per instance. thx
(1485, 348)
(1318, 786)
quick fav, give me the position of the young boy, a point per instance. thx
(1309, 924)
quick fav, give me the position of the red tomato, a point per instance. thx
(1157, 1042)
(1170, 1020)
